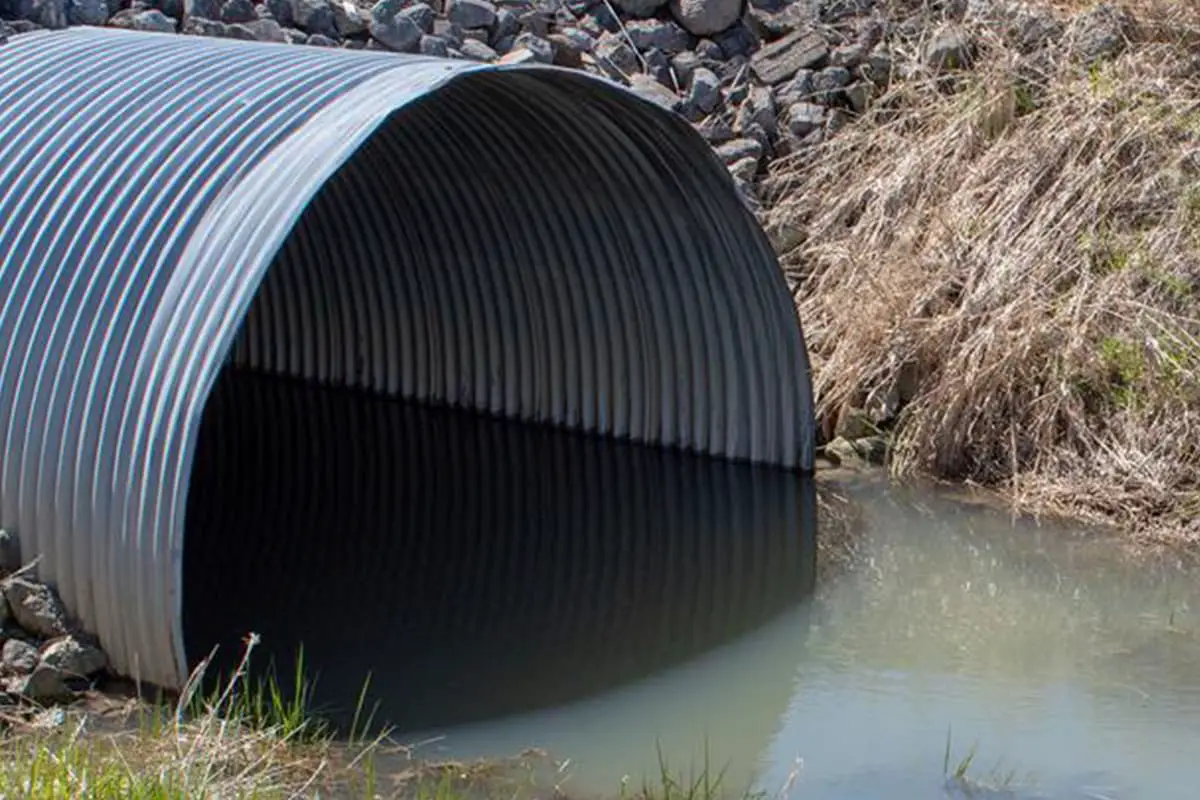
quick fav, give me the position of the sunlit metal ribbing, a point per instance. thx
(529, 242)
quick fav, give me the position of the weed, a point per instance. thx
(1037, 279)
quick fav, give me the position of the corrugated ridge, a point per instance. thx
(616, 277)
(482, 546)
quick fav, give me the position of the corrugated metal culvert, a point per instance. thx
(528, 242)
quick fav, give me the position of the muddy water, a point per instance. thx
(1070, 670)
(508, 587)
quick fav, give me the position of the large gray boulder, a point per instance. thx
(706, 17)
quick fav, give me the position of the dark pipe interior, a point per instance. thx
(475, 567)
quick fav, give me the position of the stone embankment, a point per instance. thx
(760, 79)
(44, 657)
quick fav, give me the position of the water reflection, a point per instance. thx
(478, 568)
(1066, 663)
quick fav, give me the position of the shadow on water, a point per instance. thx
(476, 568)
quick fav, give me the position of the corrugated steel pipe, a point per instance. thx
(530, 242)
(474, 567)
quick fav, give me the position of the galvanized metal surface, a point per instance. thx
(528, 242)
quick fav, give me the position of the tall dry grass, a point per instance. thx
(1017, 256)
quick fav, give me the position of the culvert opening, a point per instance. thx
(473, 567)
(450, 446)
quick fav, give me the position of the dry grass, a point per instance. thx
(1017, 254)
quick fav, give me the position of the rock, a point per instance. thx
(684, 65)
(541, 49)
(49, 13)
(35, 606)
(854, 423)
(835, 120)
(704, 92)
(594, 23)
(453, 34)
(569, 46)
(391, 26)
(315, 16)
(774, 23)
(348, 18)
(658, 66)
(706, 17)
(477, 51)
(199, 26)
(744, 169)
(872, 449)
(422, 15)
(434, 46)
(779, 61)
(87, 12)
(1030, 30)
(842, 452)
(471, 13)
(44, 685)
(804, 118)
(883, 404)
(10, 549)
(281, 10)
(828, 84)
(708, 50)
(640, 8)
(206, 9)
(295, 36)
(536, 22)
(833, 11)
(745, 192)
(798, 90)
(1102, 32)
(507, 23)
(858, 95)
(737, 149)
(263, 30)
(74, 657)
(849, 56)
(615, 56)
(649, 34)
(715, 130)
(234, 11)
(320, 40)
(757, 112)
(507, 45)
(239, 31)
(18, 657)
(151, 20)
(878, 69)
(951, 48)
(650, 89)
(736, 40)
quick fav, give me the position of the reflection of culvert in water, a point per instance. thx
(476, 567)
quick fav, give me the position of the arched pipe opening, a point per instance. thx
(515, 246)
(486, 410)
(526, 246)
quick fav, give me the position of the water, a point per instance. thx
(1064, 662)
(510, 587)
